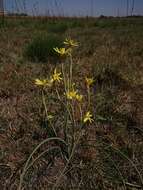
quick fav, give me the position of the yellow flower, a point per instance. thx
(70, 42)
(79, 97)
(89, 81)
(57, 76)
(71, 94)
(88, 117)
(63, 51)
(50, 117)
(43, 82)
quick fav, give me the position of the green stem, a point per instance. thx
(71, 68)
(81, 114)
(88, 93)
(73, 125)
(44, 103)
(64, 78)
(46, 111)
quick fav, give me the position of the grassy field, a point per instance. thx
(109, 154)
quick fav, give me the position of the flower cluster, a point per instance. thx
(71, 93)
(66, 51)
(49, 82)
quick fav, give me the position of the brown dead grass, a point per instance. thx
(20, 110)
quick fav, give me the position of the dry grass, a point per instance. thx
(110, 154)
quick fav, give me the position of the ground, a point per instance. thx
(110, 155)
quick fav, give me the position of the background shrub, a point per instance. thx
(40, 49)
(59, 27)
(76, 24)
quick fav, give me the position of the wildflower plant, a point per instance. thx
(72, 100)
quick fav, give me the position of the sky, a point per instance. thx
(74, 7)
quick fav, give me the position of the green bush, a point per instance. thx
(60, 27)
(104, 23)
(40, 49)
(3, 23)
(76, 24)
